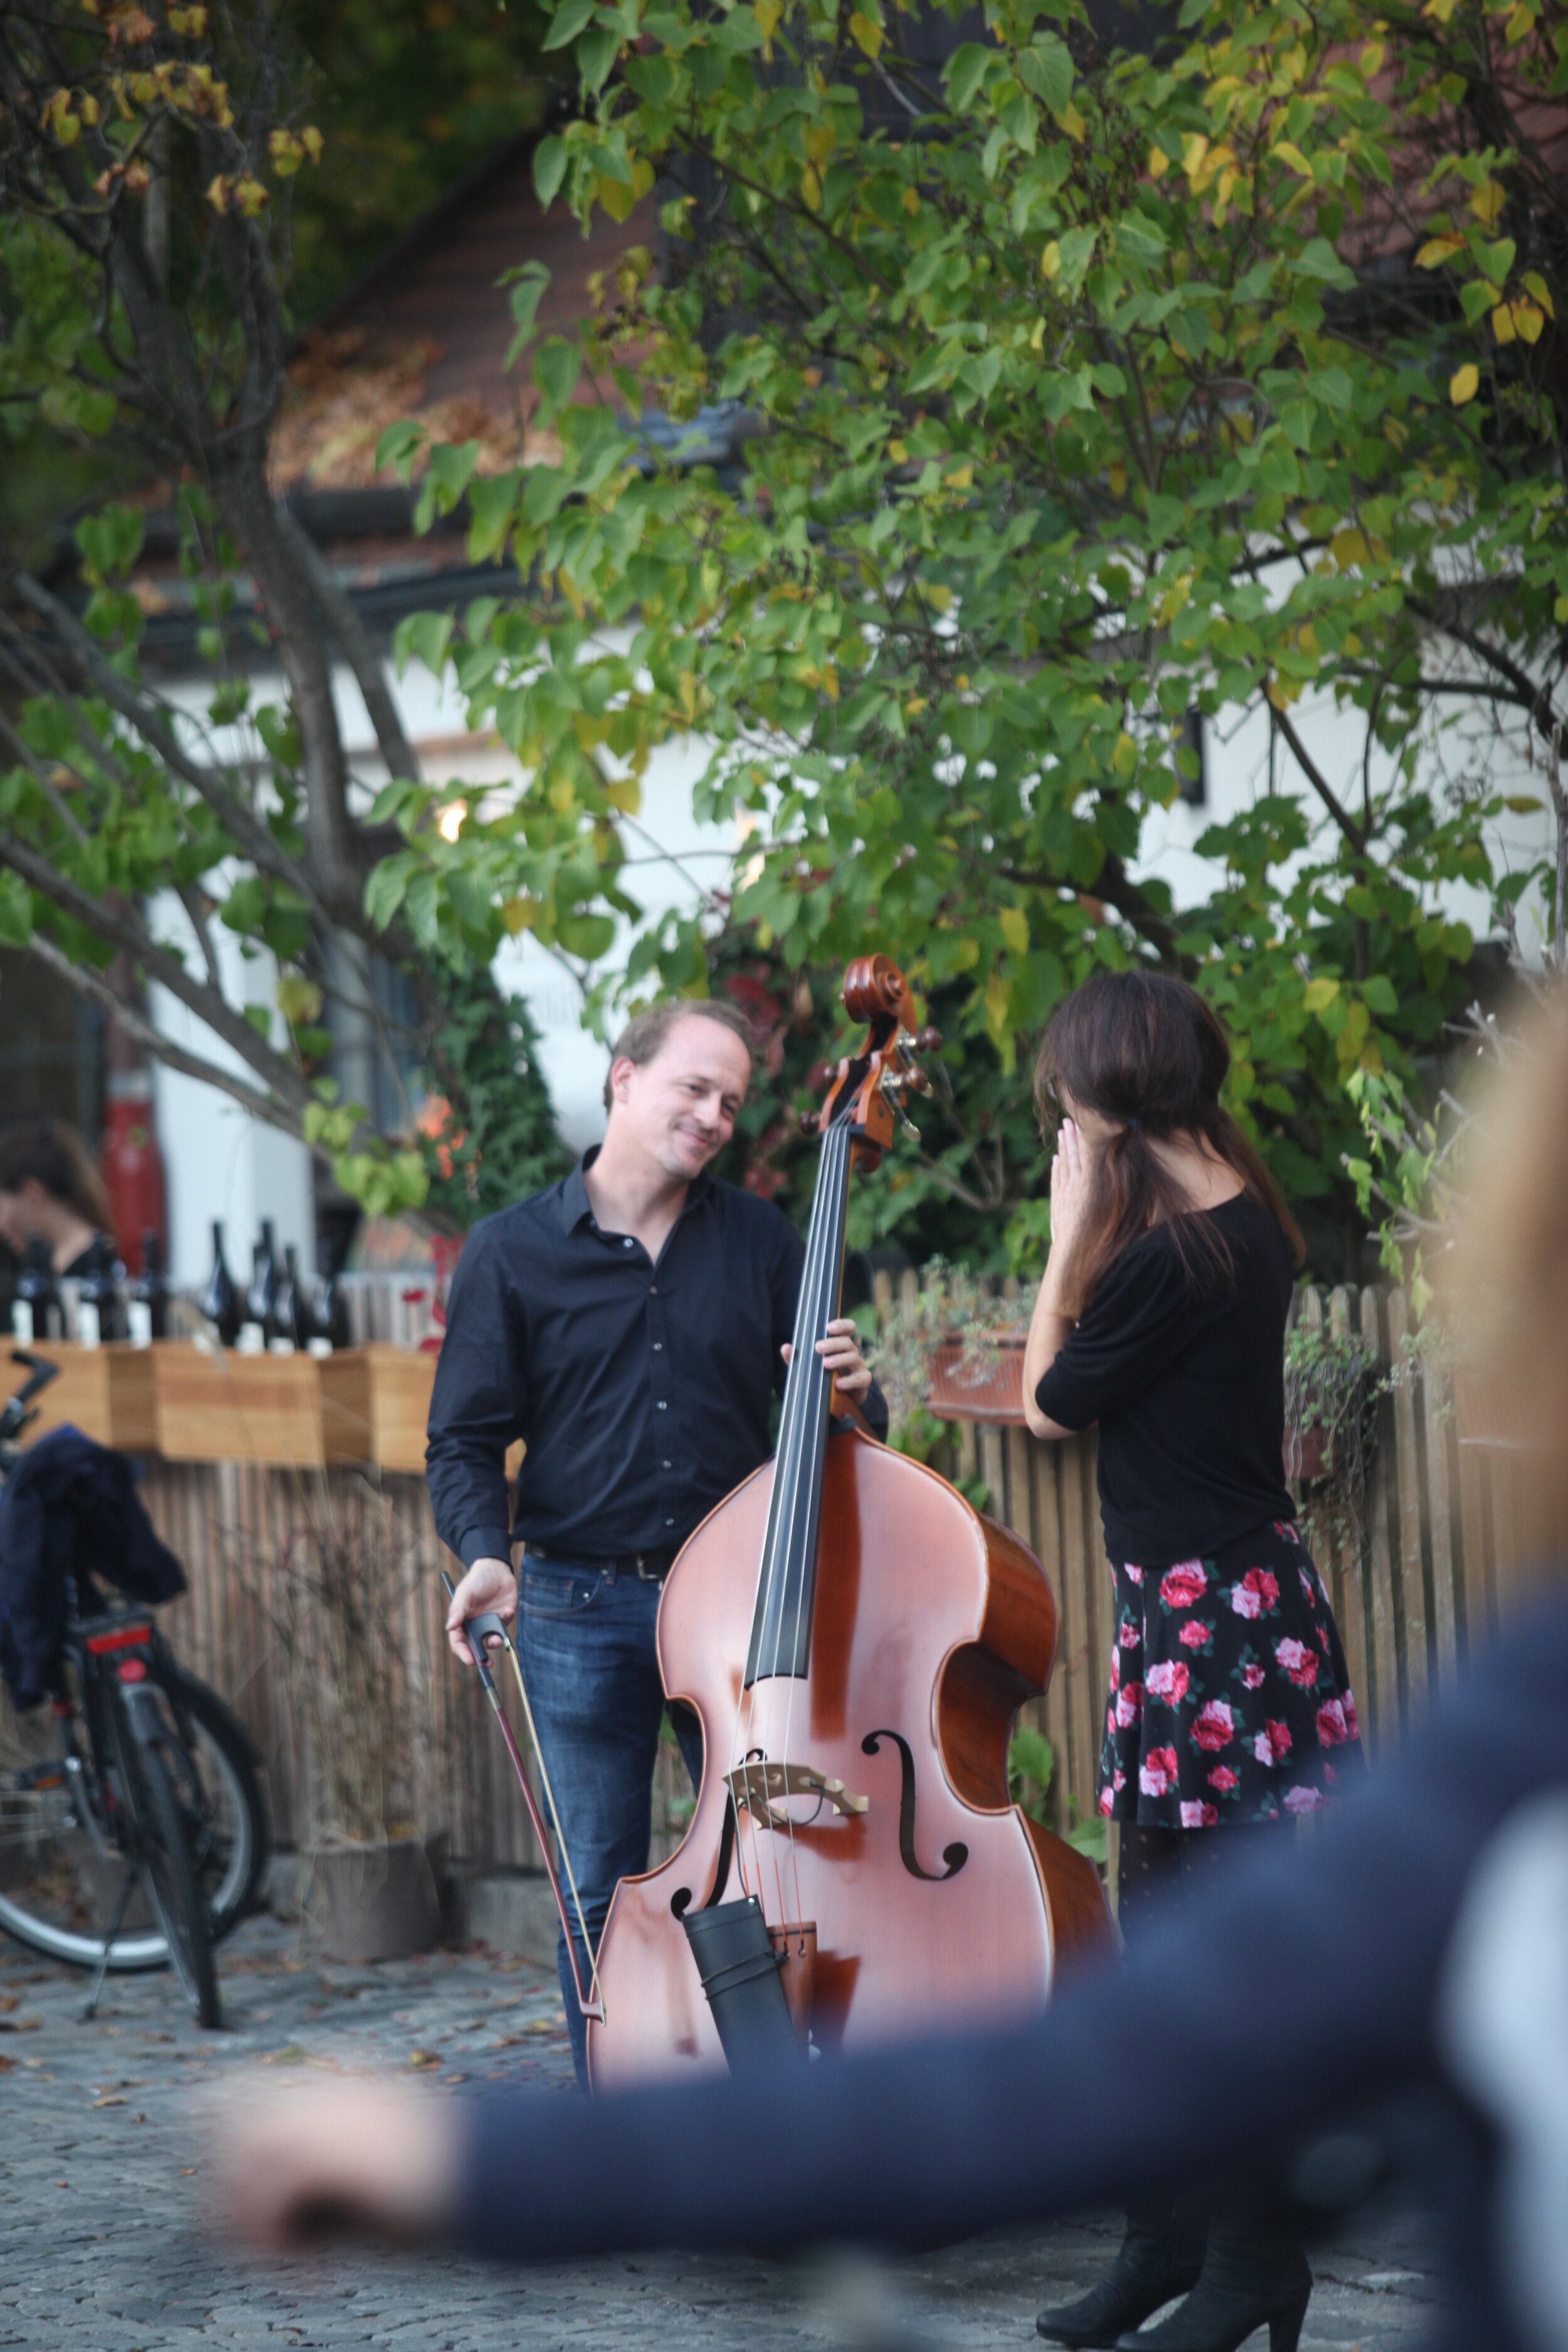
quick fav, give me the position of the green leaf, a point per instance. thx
(549, 168)
(567, 22)
(966, 69)
(15, 910)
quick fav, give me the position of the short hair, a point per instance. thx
(643, 1038)
(54, 1156)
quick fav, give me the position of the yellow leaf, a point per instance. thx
(423, 2058)
(218, 192)
(1319, 995)
(616, 197)
(1535, 284)
(1436, 249)
(1075, 126)
(865, 33)
(1283, 691)
(1117, 477)
(964, 954)
(1289, 152)
(520, 914)
(768, 14)
(1528, 318)
(313, 141)
(997, 1021)
(961, 478)
(1194, 147)
(1560, 609)
(910, 201)
(1016, 929)
(811, 190)
(1441, 9)
(1520, 26)
(1503, 327)
(1051, 260)
(250, 197)
(1159, 162)
(1348, 547)
(1124, 759)
(1488, 201)
(1464, 383)
(624, 793)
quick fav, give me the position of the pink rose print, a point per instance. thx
(1252, 1677)
(1106, 1800)
(1195, 1635)
(1352, 1721)
(1298, 1660)
(1129, 1703)
(1330, 1775)
(1181, 1585)
(1115, 1668)
(1213, 1726)
(1157, 1773)
(1303, 1800)
(1128, 1634)
(1256, 1595)
(1134, 1575)
(1307, 1590)
(1118, 1779)
(1168, 1681)
(1272, 1744)
(1223, 1779)
(1198, 1817)
(1331, 1727)
(1286, 1532)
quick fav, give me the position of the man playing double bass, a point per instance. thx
(631, 1324)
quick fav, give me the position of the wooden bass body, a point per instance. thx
(875, 1813)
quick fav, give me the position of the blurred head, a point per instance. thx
(678, 1075)
(1136, 1058)
(1502, 1281)
(48, 1186)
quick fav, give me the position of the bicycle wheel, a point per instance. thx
(60, 1871)
(163, 1835)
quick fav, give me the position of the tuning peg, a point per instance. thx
(929, 1041)
(810, 1120)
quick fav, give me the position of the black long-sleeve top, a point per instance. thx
(1302, 1989)
(644, 1392)
(1185, 1376)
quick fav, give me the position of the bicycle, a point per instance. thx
(133, 1829)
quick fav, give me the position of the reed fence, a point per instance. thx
(1443, 1535)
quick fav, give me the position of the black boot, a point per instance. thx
(1254, 2275)
(1160, 2255)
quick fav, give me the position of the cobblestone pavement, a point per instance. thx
(102, 2247)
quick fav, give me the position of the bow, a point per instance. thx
(483, 1630)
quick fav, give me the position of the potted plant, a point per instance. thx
(954, 1353)
(1332, 1385)
(338, 1578)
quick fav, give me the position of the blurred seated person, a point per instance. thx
(51, 1192)
(1415, 1945)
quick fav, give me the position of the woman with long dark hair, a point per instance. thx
(51, 1192)
(1162, 1317)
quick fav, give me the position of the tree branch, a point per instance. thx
(344, 622)
(1320, 785)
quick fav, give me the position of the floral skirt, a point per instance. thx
(1229, 1700)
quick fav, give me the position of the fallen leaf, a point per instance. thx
(10, 2001)
(424, 2058)
(505, 2042)
(7, 2064)
(289, 2056)
(20, 2024)
(110, 2099)
(186, 2170)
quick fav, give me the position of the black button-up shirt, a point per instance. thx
(644, 1392)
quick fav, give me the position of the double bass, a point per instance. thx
(855, 1639)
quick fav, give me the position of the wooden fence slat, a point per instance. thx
(1348, 1589)
(1440, 1519)
(1044, 1482)
(1382, 1699)
(1481, 1599)
(1412, 1577)
(1083, 1696)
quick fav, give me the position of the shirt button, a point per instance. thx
(669, 1523)
(626, 1244)
(658, 1347)
(664, 1465)
(653, 1290)
(662, 1406)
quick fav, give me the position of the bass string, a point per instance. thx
(805, 1498)
(804, 1403)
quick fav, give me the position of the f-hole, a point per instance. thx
(681, 1901)
(954, 1855)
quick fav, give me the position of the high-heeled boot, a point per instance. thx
(1160, 2255)
(1254, 2275)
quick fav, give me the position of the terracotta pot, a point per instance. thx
(1305, 1453)
(378, 1901)
(955, 1395)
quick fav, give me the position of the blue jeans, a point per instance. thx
(585, 1644)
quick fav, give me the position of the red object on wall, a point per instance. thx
(134, 1167)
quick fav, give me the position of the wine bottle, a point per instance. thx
(97, 1296)
(261, 1299)
(36, 1314)
(286, 1305)
(329, 1311)
(147, 1310)
(219, 1302)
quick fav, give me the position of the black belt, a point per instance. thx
(652, 1567)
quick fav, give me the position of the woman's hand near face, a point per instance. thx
(1058, 1305)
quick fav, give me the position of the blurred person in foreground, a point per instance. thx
(1415, 1942)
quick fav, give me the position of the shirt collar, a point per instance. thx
(576, 1207)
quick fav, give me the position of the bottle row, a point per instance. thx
(280, 1310)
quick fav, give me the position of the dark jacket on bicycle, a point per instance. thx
(71, 1507)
